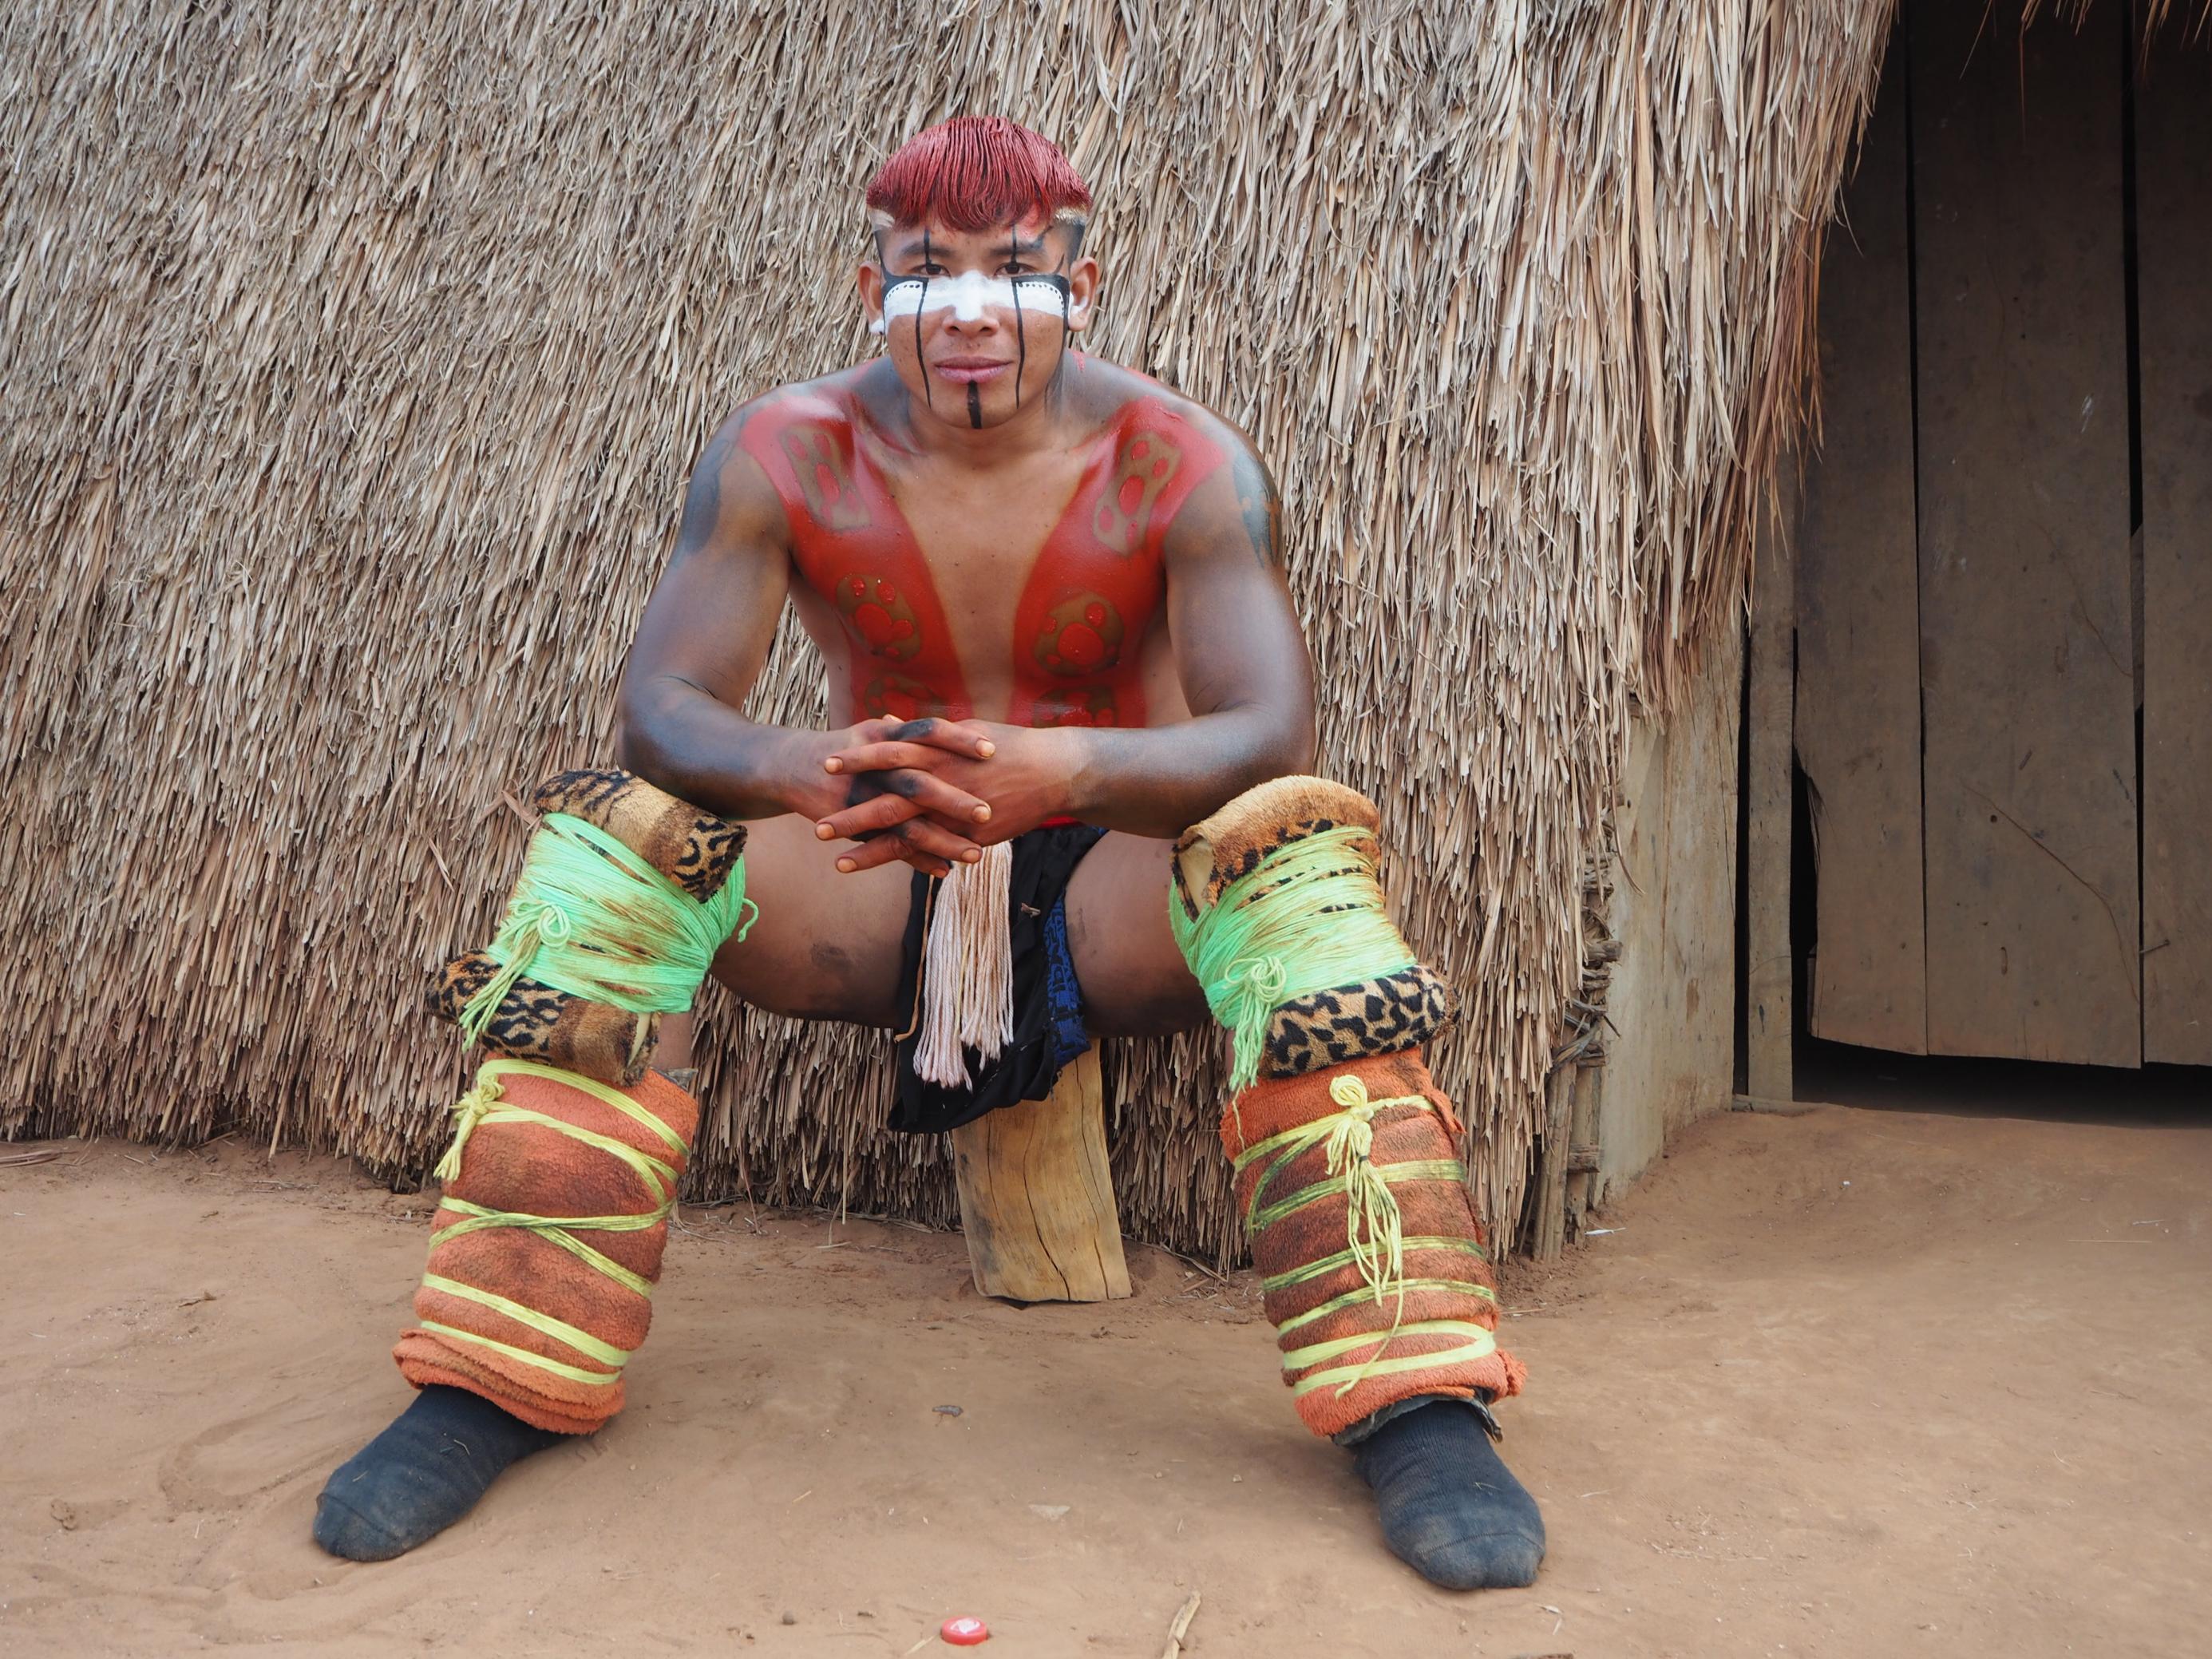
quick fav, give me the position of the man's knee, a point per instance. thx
(1133, 980)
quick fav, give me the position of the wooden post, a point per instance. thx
(1549, 1236)
(1583, 1151)
(1771, 1040)
(1036, 1199)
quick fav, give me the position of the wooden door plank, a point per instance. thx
(1858, 617)
(2027, 671)
(2173, 255)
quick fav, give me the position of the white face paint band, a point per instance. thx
(970, 293)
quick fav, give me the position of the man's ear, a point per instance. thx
(871, 281)
(1082, 293)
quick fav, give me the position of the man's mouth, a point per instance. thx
(971, 371)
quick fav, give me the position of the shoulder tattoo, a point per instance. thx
(703, 502)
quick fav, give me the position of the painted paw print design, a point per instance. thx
(880, 616)
(1124, 512)
(1082, 635)
(893, 696)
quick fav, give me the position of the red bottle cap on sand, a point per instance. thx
(965, 1632)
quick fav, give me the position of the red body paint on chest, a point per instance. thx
(1087, 601)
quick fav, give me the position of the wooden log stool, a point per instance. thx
(1036, 1199)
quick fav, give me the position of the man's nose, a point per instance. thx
(970, 295)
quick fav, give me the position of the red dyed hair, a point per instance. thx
(977, 173)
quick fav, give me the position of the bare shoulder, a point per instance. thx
(731, 504)
(1232, 502)
(1115, 391)
(829, 400)
(735, 482)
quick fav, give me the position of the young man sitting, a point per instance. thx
(1067, 693)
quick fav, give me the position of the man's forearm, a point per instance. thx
(678, 737)
(1161, 780)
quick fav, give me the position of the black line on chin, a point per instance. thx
(975, 406)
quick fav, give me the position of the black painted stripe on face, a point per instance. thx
(928, 391)
(1066, 319)
(1021, 333)
(975, 406)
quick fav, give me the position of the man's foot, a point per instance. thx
(1451, 1509)
(422, 1474)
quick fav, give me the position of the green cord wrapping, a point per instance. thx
(591, 917)
(1308, 917)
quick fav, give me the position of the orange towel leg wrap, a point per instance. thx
(1321, 1237)
(500, 1242)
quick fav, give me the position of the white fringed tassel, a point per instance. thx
(968, 971)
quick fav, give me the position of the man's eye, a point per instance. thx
(931, 270)
(1015, 269)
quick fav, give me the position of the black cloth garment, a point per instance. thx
(1046, 1037)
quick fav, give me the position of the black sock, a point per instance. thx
(1450, 1507)
(422, 1474)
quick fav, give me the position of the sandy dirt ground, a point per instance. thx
(1859, 1382)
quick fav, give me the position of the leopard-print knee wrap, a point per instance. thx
(1399, 1010)
(536, 1021)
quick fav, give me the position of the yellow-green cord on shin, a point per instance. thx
(486, 1103)
(1374, 1240)
(1480, 1343)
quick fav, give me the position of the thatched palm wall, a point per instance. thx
(354, 357)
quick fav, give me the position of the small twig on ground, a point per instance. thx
(15, 1158)
(1214, 1273)
(1176, 1630)
(842, 1214)
(676, 1220)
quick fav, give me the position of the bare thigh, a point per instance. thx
(1135, 982)
(824, 946)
